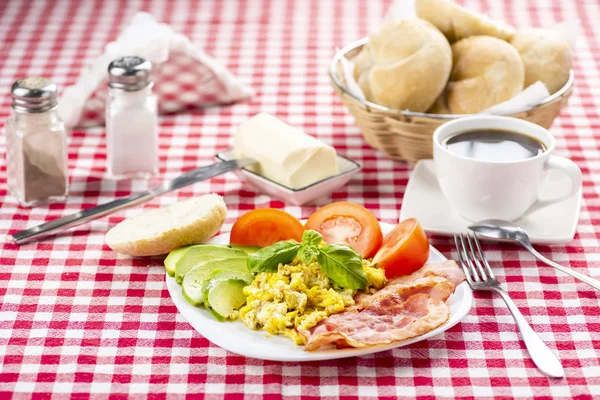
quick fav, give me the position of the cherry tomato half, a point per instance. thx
(350, 224)
(265, 226)
(404, 250)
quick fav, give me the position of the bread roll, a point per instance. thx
(158, 231)
(546, 57)
(441, 105)
(405, 65)
(457, 22)
(486, 71)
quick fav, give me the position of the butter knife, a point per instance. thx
(90, 214)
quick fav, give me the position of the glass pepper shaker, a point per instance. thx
(36, 144)
(131, 120)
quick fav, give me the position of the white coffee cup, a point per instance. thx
(481, 189)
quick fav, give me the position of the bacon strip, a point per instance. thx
(433, 286)
(406, 307)
(392, 322)
(447, 276)
(447, 269)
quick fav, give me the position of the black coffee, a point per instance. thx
(494, 145)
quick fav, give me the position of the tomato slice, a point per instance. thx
(350, 224)
(265, 226)
(404, 250)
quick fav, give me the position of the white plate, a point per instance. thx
(346, 167)
(235, 337)
(424, 200)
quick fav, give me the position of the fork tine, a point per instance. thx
(485, 263)
(474, 274)
(461, 260)
(476, 259)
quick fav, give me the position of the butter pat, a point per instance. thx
(285, 154)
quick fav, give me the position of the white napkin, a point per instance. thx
(530, 97)
(567, 30)
(351, 84)
(184, 76)
(399, 10)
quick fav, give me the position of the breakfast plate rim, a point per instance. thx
(199, 317)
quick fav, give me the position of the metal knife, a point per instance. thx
(90, 214)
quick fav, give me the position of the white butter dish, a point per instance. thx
(346, 167)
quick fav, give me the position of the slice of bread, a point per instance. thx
(158, 231)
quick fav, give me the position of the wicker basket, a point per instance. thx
(406, 135)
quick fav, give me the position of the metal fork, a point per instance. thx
(480, 276)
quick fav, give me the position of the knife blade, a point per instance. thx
(90, 214)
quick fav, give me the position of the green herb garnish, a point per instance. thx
(268, 258)
(341, 263)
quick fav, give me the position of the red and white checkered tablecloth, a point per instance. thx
(78, 321)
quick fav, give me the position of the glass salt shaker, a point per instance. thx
(36, 144)
(131, 120)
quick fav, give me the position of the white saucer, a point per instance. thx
(424, 200)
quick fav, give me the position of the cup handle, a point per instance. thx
(571, 170)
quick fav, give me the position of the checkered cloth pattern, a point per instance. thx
(78, 321)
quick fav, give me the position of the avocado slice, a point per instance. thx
(223, 296)
(247, 249)
(234, 299)
(204, 252)
(194, 281)
(172, 259)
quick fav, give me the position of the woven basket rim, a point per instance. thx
(360, 42)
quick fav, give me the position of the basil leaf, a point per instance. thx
(308, 253)
(268, 258)
(343, 265)
(311, 238)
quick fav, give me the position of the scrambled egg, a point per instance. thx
(297, 297)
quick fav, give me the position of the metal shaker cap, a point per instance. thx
(129, 73)
(34, 94)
